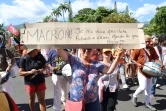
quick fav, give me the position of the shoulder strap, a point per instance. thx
(147, 53)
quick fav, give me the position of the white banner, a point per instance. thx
(82, 35)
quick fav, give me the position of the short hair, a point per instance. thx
(162, 38)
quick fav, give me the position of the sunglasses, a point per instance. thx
(107, 52)
(89, 50)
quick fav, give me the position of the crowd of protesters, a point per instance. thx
(99, 71)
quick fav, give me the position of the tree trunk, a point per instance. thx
(63, 17)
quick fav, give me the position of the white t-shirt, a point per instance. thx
(45, 53)
(163, 55)
(111, 80)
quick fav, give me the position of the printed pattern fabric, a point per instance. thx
(59, 64)
(79, 79)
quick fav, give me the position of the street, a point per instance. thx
(124, 97)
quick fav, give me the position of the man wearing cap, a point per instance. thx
(139, 57)
(7, 61)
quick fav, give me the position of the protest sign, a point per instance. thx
(83, 35)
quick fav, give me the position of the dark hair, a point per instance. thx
(162, 38)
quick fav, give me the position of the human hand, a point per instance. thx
(53, 69)
(120, 51)
(8, 69)
(33, 71)
(162, 67)
(40, 71)
(139, 65)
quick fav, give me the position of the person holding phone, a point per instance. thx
(31, 66)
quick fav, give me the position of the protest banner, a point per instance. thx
(83, 35)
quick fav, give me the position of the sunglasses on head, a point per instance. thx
(89, 50)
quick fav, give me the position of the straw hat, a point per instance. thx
(147, 37)
(106, 50)
(26, 48)
(30, 50)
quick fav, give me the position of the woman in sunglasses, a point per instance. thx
(80, 71)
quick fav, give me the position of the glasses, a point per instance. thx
(89, 50)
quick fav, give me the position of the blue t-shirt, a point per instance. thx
(53, 54)
(79, 79)
(56, 61)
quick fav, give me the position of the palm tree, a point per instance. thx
(64, 7)
(56, 13)
(47, 18)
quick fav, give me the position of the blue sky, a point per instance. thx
(20, 11)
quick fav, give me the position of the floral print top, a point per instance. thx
(80, 71)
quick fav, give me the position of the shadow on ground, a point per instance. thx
(124, 95)
(25, 107)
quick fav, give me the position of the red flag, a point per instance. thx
(13, 30)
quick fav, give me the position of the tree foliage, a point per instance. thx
(47, 18)
(64, 7)
(160, 18)
(119, 18)
(56, 13)
(84, 15)
(89, 15)
(70, 17)
(1, 27)
(158, 23)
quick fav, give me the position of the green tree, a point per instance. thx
(85, 15)
(127, 10)
(1, 28)
(63, 7)
(115, 8)
(150, 30)
(160, 19)
(102, 12)
(56, 13)
(119, 18)
(70, 18)
(47, 18)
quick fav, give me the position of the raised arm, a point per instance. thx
(62, 53)
(110, 70)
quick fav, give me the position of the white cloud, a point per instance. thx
(24, 9)
(162, 4)
(147, 9)
(106, 3)
(80, 4)
(121, 6)
(36, 10)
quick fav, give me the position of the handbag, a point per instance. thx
(67, 72)
(14, 70)
(77, 106)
